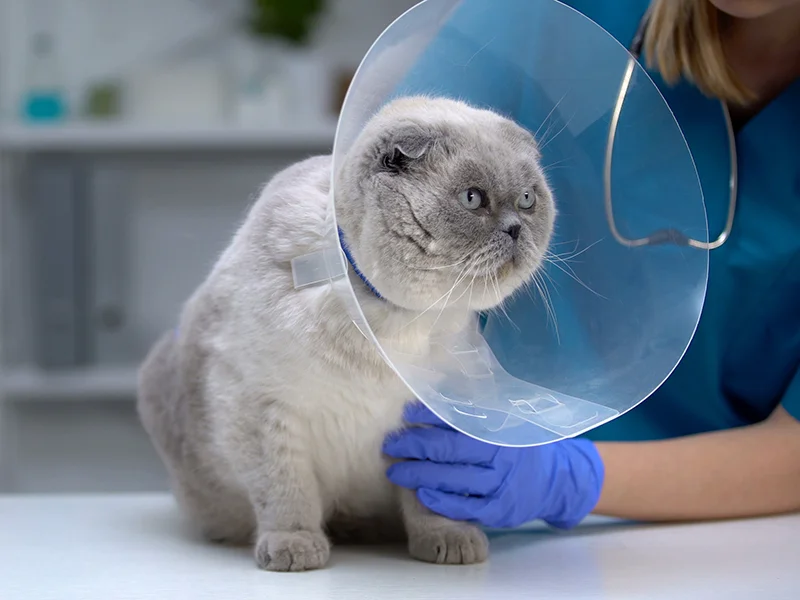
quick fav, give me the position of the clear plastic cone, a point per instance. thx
(606, 319)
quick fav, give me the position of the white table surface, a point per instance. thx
(138, 547)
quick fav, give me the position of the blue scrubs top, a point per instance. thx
(744, 360)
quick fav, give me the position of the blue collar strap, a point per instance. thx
(357, 271)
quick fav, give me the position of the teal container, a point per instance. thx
(43, 99)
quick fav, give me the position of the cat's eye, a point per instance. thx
(526, 201)
(472, 199)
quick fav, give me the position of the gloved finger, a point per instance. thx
(458, 508)
(416, 413)
(453, 479)
(438, 445)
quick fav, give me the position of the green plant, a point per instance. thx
(288, 20)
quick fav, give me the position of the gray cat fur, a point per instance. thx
(268, 407)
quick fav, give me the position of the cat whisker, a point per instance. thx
(555, 165)
(437, 268)
(575, 253)
(546, 133)
(462, 276)
(574, 243)
(549, 278)
(562, 260)
(435, 302)
(500, 306)
(498, 295)
(481, 49)
(550, 114)
(471, 289)
(552, 139)
(571, 274)
(468, 288)
(551, 125)
(556, 168)
(541, 287)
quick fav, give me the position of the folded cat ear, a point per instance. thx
(414, 144)
(406, 147)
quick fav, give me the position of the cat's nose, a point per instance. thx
(513, 231)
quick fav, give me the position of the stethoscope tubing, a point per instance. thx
(663, 236)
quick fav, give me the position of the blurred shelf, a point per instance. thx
(93, 383)
(131, 137)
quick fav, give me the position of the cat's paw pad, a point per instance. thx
(292, 550)
(451, 544)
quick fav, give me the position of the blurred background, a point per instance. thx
(133, 137)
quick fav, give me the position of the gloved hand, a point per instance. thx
(466, 480)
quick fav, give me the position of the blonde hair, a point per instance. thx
(683, 41)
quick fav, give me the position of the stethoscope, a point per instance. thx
(663, 236)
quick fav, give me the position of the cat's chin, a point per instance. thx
(496, 288)
(506, 271)
(483, 291)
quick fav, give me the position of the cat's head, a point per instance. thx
(442, 203)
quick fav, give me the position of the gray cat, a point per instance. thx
(269, 407)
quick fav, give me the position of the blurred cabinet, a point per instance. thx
(104, 232)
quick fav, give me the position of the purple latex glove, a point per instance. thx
(466, 480)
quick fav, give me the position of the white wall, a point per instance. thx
(181, 212)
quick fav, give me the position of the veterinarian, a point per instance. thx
(721, 437)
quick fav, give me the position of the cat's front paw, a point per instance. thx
(449, 544)
(292, 550)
